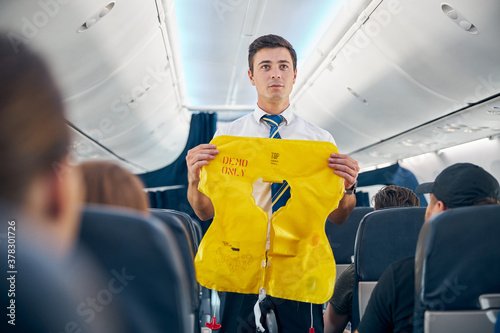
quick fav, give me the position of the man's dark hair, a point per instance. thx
(395, 196)
(33, 133)
(270, 41)
(486, 201)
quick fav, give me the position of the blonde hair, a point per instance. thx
(109, 184)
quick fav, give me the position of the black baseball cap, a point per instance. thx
(462, 184)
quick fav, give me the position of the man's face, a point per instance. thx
(273, 74)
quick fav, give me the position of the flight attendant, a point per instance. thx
(273, 71)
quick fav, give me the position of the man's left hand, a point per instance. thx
(345, 167)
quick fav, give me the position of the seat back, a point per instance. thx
(42, 294)
(197, 229)
(141, 254)
(192, 227)
(384, 236)
(46, 292)
(457, 261)
(342, 237)
(184, 232)
(185, 225)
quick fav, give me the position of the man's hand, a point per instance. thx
(196, 158)
(345, 167)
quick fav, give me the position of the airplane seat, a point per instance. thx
(457, 271)
(342, 237)
(45, 292)
(190, 225)
(183, 230)
(384, 236)
(199, 231)
(146, 270)
(203, 305)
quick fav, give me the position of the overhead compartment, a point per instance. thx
(135, 111)
(405, 63)
(114, 63)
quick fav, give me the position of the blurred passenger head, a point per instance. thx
(109, 184)
(34, 172)
(395, 196)
(460, 185)
(270, 41)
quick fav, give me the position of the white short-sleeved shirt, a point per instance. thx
(292, 127)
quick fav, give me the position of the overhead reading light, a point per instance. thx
(91, 21)
(358, 96)
(461, 128)
(407, 142)
(459, 19)
(495, 110)
(474, 129)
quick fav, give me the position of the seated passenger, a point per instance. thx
(390, 308)
(339, 309)
(40, 200)
(109, 184)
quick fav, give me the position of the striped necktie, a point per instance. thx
(280, 191)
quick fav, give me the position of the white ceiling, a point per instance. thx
(389, 79)
(215, 35)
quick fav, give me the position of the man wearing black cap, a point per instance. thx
(390, 308)
(460, 185)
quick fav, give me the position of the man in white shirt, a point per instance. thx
(273, 70)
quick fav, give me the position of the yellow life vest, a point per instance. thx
(232, 255)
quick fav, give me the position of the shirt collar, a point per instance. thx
(288, 114)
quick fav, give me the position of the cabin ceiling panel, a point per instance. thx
(84, 149)
(125, 98)
(480, 121)
(215, 35)
(115, 75)
(210, 37)
(81, 60)
(153, 149)
(147, 125)
(210, 85)
(343, 134)
(367, 88)
(409, 72)
(438, 53)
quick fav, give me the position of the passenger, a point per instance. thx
(40, 200)
(339, 310)
(35, 174)
(395, 196)
(109, 184)
(272, 70)
(390, 308)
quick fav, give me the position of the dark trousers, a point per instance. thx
(291, 316)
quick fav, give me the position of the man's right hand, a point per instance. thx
(198, 157)
(195, 159)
